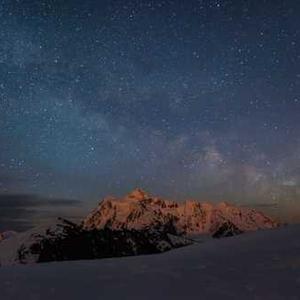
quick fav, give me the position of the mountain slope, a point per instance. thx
(68, 241)
(258, 265)
(138, 210)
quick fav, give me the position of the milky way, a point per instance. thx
(182, 98)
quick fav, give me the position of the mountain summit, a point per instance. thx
(139, 210)
(137, 194)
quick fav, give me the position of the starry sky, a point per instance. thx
(186, 99)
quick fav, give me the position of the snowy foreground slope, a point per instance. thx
(257, 265)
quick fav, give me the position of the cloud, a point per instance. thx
(22, 211)
(290, 182)
(212, 156)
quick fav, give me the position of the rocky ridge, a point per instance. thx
(138, 210)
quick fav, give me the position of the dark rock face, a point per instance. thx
(226, 229)
(68, 241)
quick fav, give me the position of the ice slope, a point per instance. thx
(257, 265)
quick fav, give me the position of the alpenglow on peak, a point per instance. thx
(138, 194)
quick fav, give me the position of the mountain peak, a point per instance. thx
(138, 194)
(139, 210)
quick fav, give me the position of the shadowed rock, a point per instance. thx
(69, 241)
(227, 229)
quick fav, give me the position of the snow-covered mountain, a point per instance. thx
(138, 210)
(66, 240)
(136, 224)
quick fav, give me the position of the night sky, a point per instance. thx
(185, 99)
